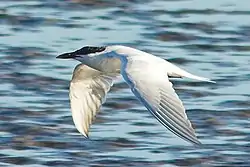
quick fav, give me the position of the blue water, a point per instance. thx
(207, 38)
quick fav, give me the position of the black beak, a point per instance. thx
(69, 55)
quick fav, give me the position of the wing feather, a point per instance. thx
(88, 89)
(150, 84)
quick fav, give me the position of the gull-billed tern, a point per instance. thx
(146, 75)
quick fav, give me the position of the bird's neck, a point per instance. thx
(107, 63)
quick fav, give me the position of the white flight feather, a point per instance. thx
(88, 89)
(151, 86)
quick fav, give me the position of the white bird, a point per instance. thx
(146, 75)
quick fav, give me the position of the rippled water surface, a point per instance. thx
(208, 38)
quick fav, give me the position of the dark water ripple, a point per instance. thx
(211, 39)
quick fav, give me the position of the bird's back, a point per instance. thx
(127, 51)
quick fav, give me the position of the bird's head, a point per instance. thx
(86, 51)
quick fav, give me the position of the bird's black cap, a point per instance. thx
(83, 51)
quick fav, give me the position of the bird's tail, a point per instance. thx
(178, 72)
(191, 76)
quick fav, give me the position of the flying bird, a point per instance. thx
(147, 76)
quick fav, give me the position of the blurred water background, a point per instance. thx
(208, 38)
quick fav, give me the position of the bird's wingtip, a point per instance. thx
(86, 136)
(198, 144)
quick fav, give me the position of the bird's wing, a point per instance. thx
(88, 89)
(150, 84)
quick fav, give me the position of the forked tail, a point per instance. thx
(178, 72)
(191, 76)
